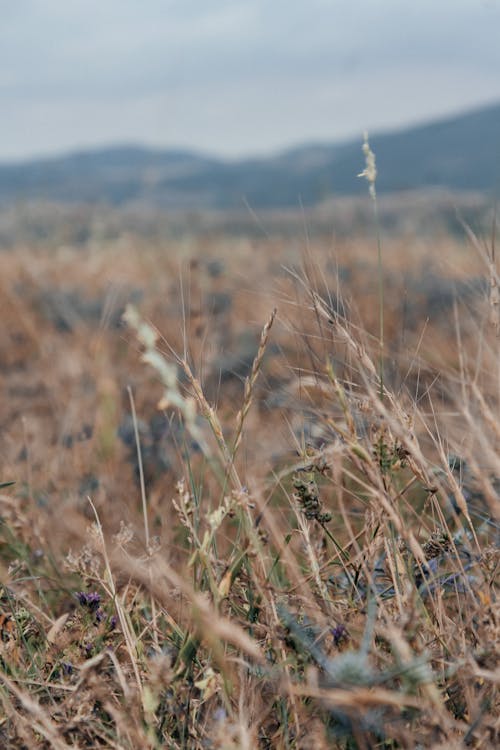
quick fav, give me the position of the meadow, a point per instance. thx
(233, 515)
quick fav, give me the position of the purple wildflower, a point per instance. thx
(90, 600)
(339, 633)
(67, 668)
(220, 714)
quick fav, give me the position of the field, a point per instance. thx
(239, 518)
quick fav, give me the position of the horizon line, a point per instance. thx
(311, 142)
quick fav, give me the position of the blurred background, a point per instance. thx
(245, 104)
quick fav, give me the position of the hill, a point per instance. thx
(459, 153)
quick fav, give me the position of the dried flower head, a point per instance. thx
(370, 170)
(307, 495)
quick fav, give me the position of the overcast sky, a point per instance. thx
(236, 77)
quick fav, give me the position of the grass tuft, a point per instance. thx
(283, 545)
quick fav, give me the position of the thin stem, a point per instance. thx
(140, 465)
(380, 298)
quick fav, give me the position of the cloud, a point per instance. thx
(236, 75)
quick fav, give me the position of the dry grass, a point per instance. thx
(221, 533)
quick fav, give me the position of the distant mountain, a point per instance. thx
(458, 153)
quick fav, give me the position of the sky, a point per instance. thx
(236, 77)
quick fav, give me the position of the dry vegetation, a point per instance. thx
(223, 532)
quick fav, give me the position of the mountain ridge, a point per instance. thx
(461, 152)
